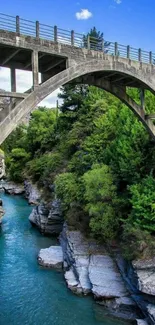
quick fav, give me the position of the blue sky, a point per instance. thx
(126, 21)
(129, 22)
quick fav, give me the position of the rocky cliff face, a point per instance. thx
(12, 188)
(1, 211)
(32, 193)
(48, 218)
(90, 269)
(2, 165)
(145, 274)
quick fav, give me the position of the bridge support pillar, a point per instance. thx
(13, 79)
(35, 69)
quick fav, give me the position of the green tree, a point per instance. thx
(96, 40)
(143, 204)
(73, 96)
(100, 196)
(41, 130)
(18, 159)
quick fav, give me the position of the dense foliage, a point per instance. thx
(99, 158)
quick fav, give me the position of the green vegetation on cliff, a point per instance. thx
(100, 159)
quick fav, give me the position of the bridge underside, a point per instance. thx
(50, 65)
(22, 59)
(59, 64)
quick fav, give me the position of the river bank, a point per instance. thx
(32, 294)
(88, 267)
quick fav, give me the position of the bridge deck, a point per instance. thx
(16, 53)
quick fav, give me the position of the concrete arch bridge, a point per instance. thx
(62, 57)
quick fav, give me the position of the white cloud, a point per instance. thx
(118, 2)
(24, 82)
(84, 14)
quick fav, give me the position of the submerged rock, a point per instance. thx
(51, 257)
(48, 218)
(32, 193)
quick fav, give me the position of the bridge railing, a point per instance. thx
(53, 33)
(8, 22)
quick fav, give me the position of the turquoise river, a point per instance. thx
(29, 294)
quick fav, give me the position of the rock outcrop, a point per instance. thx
(145, 274)
(32, 193)
(141, 322)
(145, 270)
(13, 189)
(2, 165)
(1, 211)
(90, 269)
(48, 218)
(51, 257)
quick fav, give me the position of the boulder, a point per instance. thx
(51, 257)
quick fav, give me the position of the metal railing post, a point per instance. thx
(116, 49)
(140, 55)
(17, 25)
(102, 45)
(91, 43)
(37, 29)
(128, 52)
(72, 37)
(88, 42)
(150, 58)
(55, 34)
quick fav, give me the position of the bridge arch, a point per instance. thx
(88, 71)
